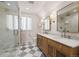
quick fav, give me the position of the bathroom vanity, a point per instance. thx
(67, 22)
(56, 46)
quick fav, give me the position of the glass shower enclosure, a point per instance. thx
(8, 28)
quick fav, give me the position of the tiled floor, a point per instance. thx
(29, 50)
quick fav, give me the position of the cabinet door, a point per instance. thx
(59, 54)
(42, 44)
(45, 45)
(51, 48)
(39, 41)
(51, 51)
(68, 51)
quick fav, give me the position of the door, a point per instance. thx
(45, 45)
(8, 29)
(51, 51)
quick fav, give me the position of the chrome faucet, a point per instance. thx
(65, 35)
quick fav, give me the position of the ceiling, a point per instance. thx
(9, 5)
(41, 8)
(38, 7)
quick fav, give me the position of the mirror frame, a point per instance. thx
(48, 17)
(77, 4)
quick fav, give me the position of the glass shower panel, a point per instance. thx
(8, 28)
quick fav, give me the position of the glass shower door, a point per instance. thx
(8, 28)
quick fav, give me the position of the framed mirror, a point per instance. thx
(68, 18)
(47, 24)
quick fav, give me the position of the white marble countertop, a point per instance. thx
(69, 42)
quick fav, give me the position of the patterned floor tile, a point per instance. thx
(23, 48)
(42, 55)
(35, 48)
(38, 53)
(22, 54)
(28, 55)
(29, 50)
(32, 51)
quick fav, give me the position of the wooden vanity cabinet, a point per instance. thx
(69, 51)
(42, 44)
(51, 51)
(39, 41)
(45, 46)
(53, 48)
(62, 50)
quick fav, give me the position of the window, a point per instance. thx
(12, 22)
(23, 23)
(15, 23)
(29, 23)
(26, 23)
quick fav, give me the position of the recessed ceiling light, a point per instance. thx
(8, 4)
(27, 8)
